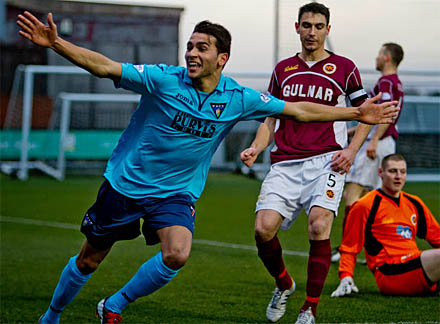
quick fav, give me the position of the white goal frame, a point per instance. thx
(66, 103)
(30, 71)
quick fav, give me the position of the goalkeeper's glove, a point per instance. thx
(346, 287)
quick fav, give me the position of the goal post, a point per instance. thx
(62, 139)
(29, 72)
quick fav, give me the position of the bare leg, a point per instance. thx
(267, 224)
(353, 192)
(157, 271)
(176, 242)
(431, 264)
(320, 223)
(89, 258)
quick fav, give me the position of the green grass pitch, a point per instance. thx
(218, 284)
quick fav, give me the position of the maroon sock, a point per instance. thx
(317, 270)
(270, 253)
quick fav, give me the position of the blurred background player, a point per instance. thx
(151, 174)
(382, 138)
(386, 222)
(308, 161)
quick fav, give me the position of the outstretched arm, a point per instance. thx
(47, 36)
(263, 139)
(368, 112)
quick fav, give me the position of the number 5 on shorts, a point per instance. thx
(331, 182)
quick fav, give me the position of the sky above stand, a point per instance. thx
(358, 29)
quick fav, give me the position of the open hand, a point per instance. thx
(35, 31)
(346, 287)
(383, 113)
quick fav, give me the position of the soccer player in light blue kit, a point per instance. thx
(159, 167)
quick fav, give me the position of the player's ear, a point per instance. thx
(328, 29)
(380, 172)
(222, 58)
(297, 27)
(388, 57)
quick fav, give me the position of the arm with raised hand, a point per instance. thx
(263, 139)
(368, 112)
(47, 36)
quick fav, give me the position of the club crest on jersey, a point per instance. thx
(404, 231)
(330, 194)
(329, 68)
(291, 68)
(414, 219)
(218, 108)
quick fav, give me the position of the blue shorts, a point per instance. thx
(115, 217)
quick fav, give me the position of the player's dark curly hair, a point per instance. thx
(395, 51)
(221, 34)
(316, 8)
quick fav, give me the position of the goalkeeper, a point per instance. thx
(385, 222)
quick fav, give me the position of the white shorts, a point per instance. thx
(291, 186)
(364, 170)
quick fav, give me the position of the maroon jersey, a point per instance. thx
(391, 89)
(330, 82)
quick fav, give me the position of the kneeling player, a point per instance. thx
(385, 222)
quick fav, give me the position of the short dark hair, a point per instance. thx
(220, 33)
(396, 52)
(391, 157)
(316, 8)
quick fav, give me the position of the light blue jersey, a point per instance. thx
(167, 147)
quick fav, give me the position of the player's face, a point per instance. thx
(202, 57)
(393, 177)
(312, 30)
(380, 59)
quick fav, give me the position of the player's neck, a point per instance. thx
(314, 56)
(208, 83)
(388, 70)
(391, 193)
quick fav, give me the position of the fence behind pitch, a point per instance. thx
(33, 138)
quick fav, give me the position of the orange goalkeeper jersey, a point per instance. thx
(386, 227)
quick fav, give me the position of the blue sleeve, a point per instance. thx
(258, 105)
(141, 79)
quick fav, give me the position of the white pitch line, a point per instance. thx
(28, 221)
(37, 222)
